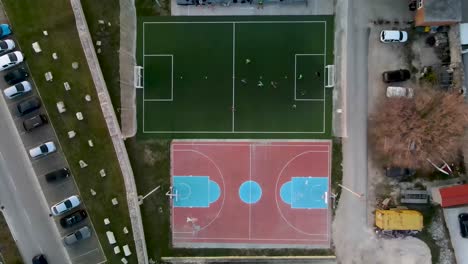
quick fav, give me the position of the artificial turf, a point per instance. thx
(235, 77)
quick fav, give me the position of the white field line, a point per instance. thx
(232, 132)
(233, 99)
(324, 65)
(295, 78)
(235, 22)
(172, 77)
(143, 115)
(233, 75)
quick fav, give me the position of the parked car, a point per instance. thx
(463, 220)
(57, 175)
(28, 106)
(17, 89)
(396, 91)
(396, 76)
(5, 30)
(73, 219)
(16, 76)
(65, 205)
(387, 36)
(35, 122)
(400, 173)
(42, 150)
(10, 60)
(39, 259)
(6, 45)
(80, 234)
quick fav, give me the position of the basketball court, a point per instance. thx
(250, 194)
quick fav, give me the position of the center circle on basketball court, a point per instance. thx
(250, 192)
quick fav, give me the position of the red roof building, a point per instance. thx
(452, 196)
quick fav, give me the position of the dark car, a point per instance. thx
(56, 175)
(34, 122)
(399, 173)
(29, 105)
(73, 219)
(39, 259)
(463, 220)
(16, 76)
(396, 76)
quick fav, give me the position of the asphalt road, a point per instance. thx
(26, 210)
(351, 216)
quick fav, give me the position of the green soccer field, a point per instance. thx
(235, 77)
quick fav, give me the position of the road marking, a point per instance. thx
(79, 256)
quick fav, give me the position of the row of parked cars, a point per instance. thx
(19, 86)
(401, 75)
(394, 77)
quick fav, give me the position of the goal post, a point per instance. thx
(138, 76)
(330, 71)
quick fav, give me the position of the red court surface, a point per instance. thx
(269, 222)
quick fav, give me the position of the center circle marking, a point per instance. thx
(250, 192)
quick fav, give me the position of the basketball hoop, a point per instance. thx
(172, 193)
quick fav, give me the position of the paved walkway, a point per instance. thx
(313, 7)
(114, 130)
(127, 62)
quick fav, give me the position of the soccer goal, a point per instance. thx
(330, 76)
(138, 76)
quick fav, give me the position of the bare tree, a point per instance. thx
(407, 132)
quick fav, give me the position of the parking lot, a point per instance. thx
(89, 250)
(384, 57)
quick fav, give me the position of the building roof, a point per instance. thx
(442, 10)
(454, 195)
(395, 219)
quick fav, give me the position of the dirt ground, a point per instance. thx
(384, 57)
(353, 234)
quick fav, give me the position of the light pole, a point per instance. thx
(141, 198)
(360, 195)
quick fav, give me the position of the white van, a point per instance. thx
(11, 59)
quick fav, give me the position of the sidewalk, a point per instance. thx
(314, 7)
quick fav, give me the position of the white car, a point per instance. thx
(65, 205)
(396, 91)
(17, 89)
(11, 59)
(6, 45)
(42, 150)
(393, 36)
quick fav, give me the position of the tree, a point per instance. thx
(409, 132)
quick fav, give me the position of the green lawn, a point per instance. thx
(337, 170)
(57, 18)
(8, 249)
(151, 8)
(231, 77)
(110, 41)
